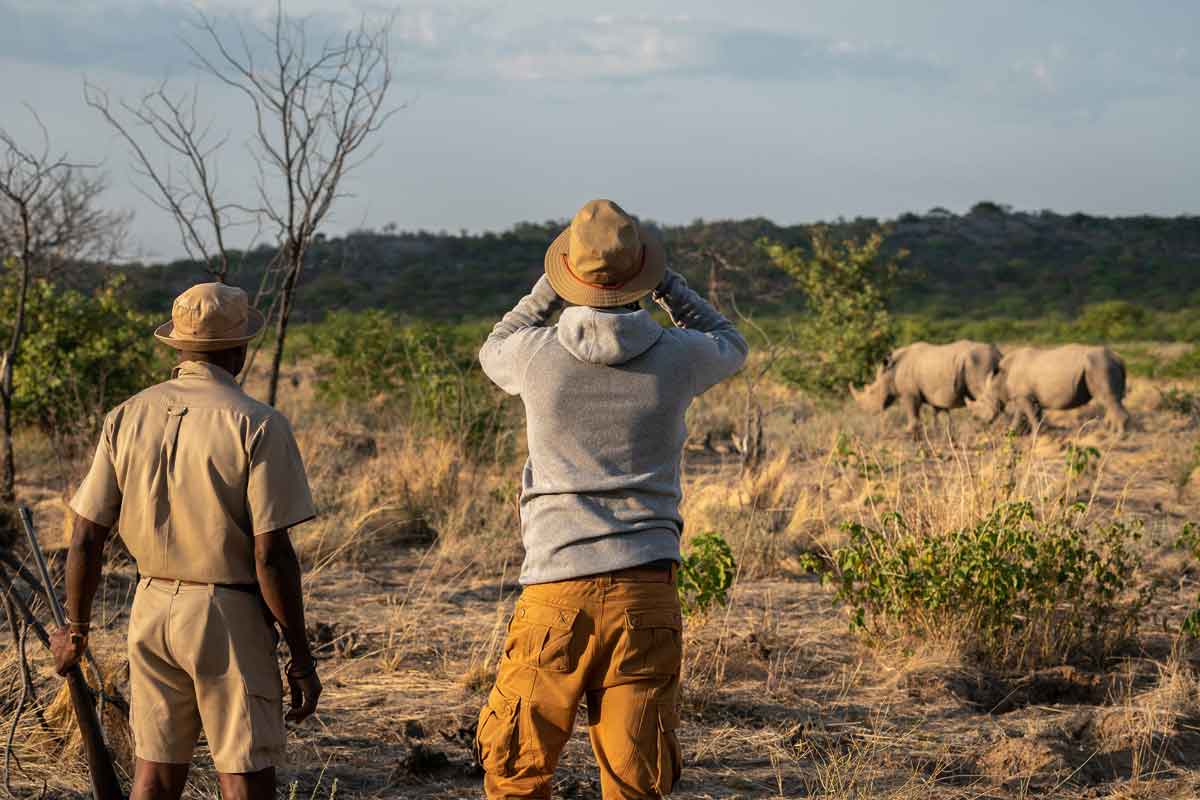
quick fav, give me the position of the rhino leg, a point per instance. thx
(1106, 382)
(943, 414)
(1115, 416)
(1029, 410)
(912, 411)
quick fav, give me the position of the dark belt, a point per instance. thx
(247, 588)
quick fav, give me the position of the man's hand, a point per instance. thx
(67, 649)
(305, 690)
(664, 286)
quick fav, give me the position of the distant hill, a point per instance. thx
(991, 261)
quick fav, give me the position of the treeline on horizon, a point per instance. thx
(992, 272)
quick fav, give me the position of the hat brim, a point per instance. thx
(573, 290)
(255, 323)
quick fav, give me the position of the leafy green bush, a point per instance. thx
(1016, 591)
(706, 574)
(1111, 321)
(847, 329)
(82, 354)
(428, 368)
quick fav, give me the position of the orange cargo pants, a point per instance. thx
(614, 640)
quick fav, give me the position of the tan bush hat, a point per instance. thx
(605, 258)
(209, 317)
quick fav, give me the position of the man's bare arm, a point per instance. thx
(85, 562)
(278, 572)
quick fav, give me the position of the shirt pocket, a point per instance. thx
(651, 642)
(541, 635)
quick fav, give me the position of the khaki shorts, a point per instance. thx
(203, 658)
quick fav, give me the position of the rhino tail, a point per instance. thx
(1119, 378)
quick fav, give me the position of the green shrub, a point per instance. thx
(81, 355)
(428, 369)
(706, 574)
(1111, 321)
(1014, 590)
(847, 329)
(358, 355)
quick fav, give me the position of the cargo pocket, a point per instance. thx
(670, 759)
(496, 734)
(540, 635)
(653, 642)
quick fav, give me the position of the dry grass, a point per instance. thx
(412, 568)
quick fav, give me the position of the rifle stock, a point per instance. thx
(105, 785)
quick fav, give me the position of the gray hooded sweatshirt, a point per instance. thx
(605, 396)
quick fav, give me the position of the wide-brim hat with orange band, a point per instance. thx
(210, 317)
(605, 258)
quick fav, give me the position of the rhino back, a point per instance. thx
(1056, 377)
(932, 372)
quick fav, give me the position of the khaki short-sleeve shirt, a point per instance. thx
(190, 471)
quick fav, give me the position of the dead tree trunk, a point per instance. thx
(287, 293)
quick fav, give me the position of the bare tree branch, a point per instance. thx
(314, 106)
(203, 221)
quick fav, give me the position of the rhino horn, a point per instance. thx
(853, 391)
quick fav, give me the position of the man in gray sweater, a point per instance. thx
(605, 392)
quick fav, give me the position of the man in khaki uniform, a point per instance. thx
(605, 392)
(202, 482)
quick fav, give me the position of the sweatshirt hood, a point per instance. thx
(601, 337)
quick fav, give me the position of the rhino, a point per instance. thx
(944, 376)
(1031, 380)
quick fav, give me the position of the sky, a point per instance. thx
(789, 109)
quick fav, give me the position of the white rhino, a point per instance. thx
(1070, 376)
(944, 376)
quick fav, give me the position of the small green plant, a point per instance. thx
(706, 574)
(1081, 459)
(1016, 590)
(1189, 540)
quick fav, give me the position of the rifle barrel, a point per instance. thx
(105, 784)
(39, 560)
